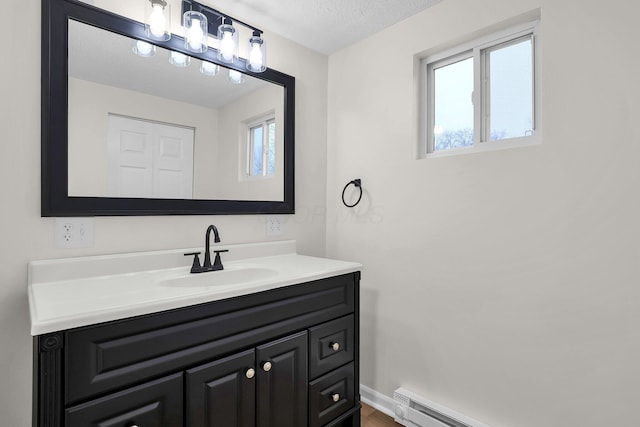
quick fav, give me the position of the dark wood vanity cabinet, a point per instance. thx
(221, 391)
(154, 404)
(242, 390)
(287, 357)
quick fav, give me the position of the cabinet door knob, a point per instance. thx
(335, 397)
(335, 346)
(266, 366)
(250, 373)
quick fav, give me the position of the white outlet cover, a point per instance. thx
(274, 225)
(73, 233)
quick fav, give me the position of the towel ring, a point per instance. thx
(358, 184)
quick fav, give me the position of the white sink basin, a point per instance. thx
(230, 277)
(73, 292)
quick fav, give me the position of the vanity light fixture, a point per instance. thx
(158, 19)
(257, 53)
(209, 68)
(236, 77)
(179, 59)
(196, 31)
(228, 39)
(222, 27)
(142, 48)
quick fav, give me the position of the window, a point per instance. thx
(261, 148)
(482, 95)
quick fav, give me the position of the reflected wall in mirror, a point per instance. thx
(143, 127)
(142, 136)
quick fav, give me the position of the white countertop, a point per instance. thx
(72, 292)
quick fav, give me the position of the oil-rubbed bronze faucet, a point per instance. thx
(207, 266)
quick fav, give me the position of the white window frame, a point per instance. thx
(263, 122)
(478, 49)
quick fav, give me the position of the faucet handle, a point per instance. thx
(217, 263)
(195, 268)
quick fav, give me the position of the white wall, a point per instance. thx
(232, 133)
(91, 103)
(219, 146)
(26, 236)
(503, 284)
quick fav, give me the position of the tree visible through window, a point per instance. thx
(483, 93)
(262, 148)
(453, 107)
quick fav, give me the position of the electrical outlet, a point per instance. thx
(73, 233)
(274, 225)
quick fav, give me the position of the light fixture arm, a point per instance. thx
(215, 17)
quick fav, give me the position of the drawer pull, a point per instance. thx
(335, 346)
(250, 373)
(266, 366)
(335, 397)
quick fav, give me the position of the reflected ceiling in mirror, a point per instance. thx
(142, 127)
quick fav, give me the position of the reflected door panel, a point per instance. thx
(149, 159)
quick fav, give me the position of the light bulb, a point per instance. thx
(157, 21)
(195, 35)
(255, 56)
(144, 49)
(236, 77)
(209, 69)
(179, 59)
(227, 46)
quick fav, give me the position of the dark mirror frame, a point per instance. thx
(55, 198)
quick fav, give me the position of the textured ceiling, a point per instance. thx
(322, 25)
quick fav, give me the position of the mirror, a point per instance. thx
(128, 134)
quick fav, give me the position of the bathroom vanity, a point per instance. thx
(269, 341)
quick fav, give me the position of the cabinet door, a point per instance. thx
(282, 382)
(154, 404)
(222, 393)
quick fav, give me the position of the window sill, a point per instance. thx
(253, 178)
(526, 141)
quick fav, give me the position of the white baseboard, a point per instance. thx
(377, 400)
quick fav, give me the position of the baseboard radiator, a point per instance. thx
(412, 410)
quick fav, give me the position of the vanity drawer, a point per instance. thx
(103, 358)
(331, 395)
(331, 345)
(154, 404)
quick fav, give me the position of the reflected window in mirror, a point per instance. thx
(261, 148)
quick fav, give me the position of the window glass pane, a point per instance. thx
(271, 157)
(453, 121)
(511, 91)
(256, 147)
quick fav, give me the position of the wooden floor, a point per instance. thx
(373, 418)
